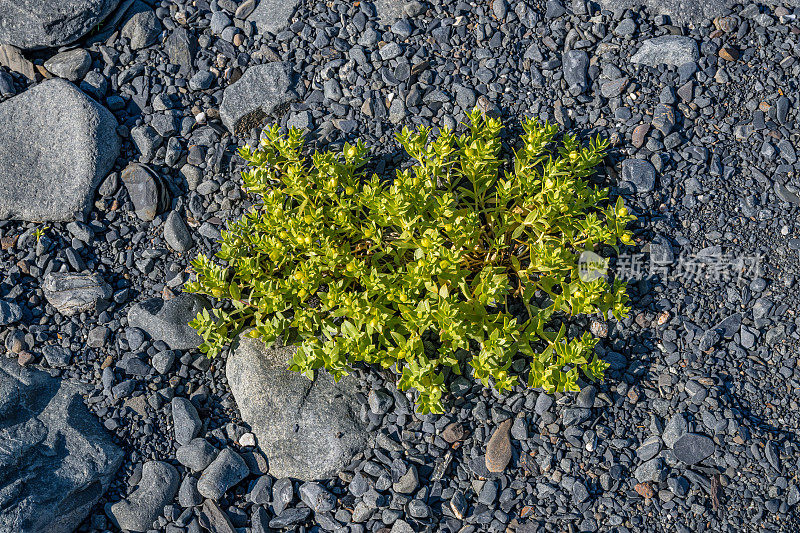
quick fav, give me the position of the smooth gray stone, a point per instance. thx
(58, 144)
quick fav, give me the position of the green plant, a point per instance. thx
(406, 274)
(38, 233)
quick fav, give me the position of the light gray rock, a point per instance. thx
(72, 64)
(142, 27)
(187, 493)
(52, 162)
(672, 50)
(273, 15)
(263, 91)
(29, 24)
(389, 11)
(168, 320)
(683, 11)
(317, 497)
(196, 455)
(72, 293)
(224, 472)
(140, 509)
(308, 429)
(12, 57)
(47, 433)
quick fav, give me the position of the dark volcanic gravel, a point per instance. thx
(695, 427)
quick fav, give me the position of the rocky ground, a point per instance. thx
(120, 122)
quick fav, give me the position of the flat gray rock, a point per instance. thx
(168, 320)
(262, 92)
(72, 64)
(157, 488)
(273, 16)
(31, 24)
(308, 429)
(57, 145)
(691, 448)
(47, 433)
(674, 50)
(73, 293)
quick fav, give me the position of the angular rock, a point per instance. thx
(273, 15)
(146, 189)
(317, 497)
(674, 430)
(168, 320)
(9, 313)
(262, 91)
(575, 65)
(142, 27)
(72, 293)
(56, 356)
(139, 510)
(217, 518)
(72, 64)
(11, 57)
(691, 448)
(308, 429)
(674, 50)
(652, 471)
(224, 472)
(30, 25)
(181, 48)
(47, 433)
(51, 162)
(498, 451)
(639, 173)
(185, 420)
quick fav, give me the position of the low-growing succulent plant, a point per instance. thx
(421, 274)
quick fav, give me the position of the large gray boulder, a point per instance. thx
(273, 15)
(57, 145)
(684, 11)
(263, 91)
(308, 429)
(56, 460)
(168, 320)
(31, 24)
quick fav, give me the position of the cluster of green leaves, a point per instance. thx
(354, 269)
